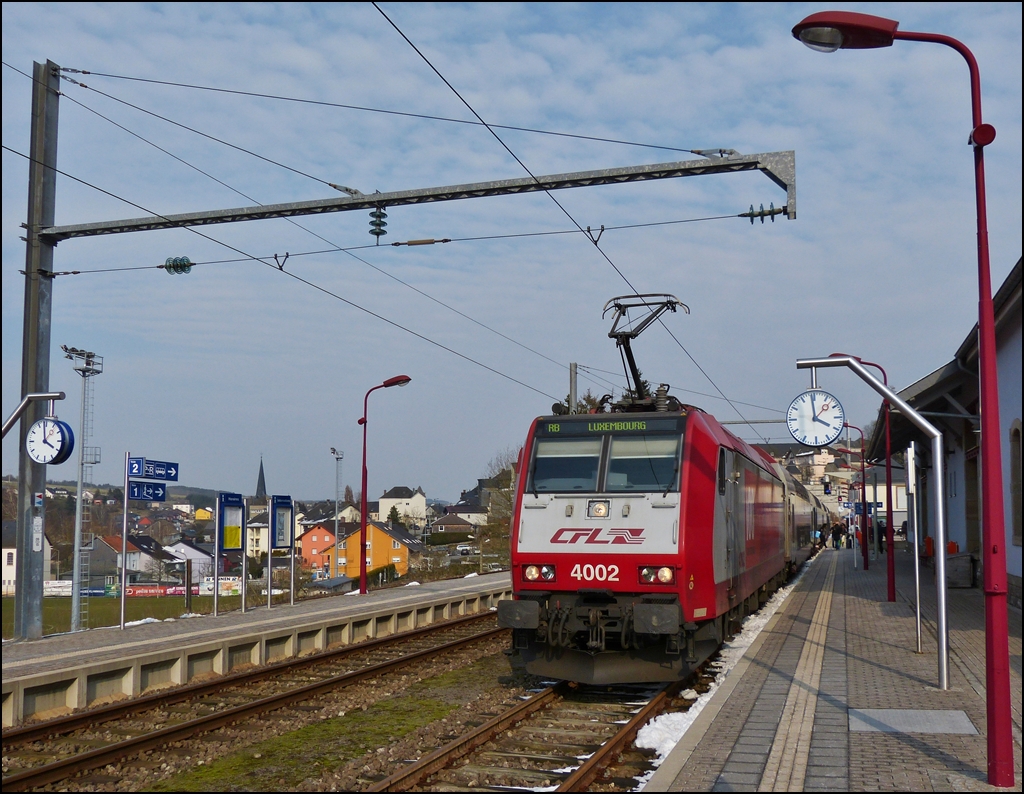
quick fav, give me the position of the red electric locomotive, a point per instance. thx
(639, 533)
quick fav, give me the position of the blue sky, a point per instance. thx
(237, 360)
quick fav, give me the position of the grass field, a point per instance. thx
(107, 611)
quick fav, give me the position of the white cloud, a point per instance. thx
(234, 360)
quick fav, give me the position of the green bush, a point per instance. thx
(447, 538)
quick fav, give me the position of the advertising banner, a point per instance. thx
(281, 522)
(231, 522)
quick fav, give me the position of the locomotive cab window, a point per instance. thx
(643, 463)
(562, 465)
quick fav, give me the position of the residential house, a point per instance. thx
(323, 511)
(257, 533)
(155, 562)
(132, 560)
(202, 560)
(450, 523)
(10, 558)
(315, 547)
(204, 514)
(949, 399)
(386, 545)
(473, 514)
(410, 504)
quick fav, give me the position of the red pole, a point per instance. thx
(362, 503)
(865, 31)
(398, 380)
(993, 533)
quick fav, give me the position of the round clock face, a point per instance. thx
(49, 441)
(815, 418)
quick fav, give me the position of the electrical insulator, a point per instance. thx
(377, 223)
(178, 264)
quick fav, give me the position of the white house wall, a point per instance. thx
(1008, 346)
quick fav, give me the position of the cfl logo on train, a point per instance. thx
(619, 537)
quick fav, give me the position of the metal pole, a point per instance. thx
(876, 546)
(863, 506)
(35, 346)
(938, 463)
(572, 388)
(912, 511)
(270, 566)
(124, 541)
(76, 569)
(216, 558)
(245, 550)
(889, 529)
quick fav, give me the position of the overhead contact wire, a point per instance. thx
(294, 276)
(557, 203)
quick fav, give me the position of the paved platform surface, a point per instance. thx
(63, 651)
(832, 695)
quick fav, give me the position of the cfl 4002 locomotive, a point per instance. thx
(638, 535)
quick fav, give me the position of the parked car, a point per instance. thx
(464, 549)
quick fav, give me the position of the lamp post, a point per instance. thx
(398, 380)
(890, 563)
(829, 31)
(338, 457)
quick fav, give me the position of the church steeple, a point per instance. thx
(261, 484)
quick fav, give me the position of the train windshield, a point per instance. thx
(643, 463)
(566, 465)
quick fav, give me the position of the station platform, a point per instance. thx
(832, 695)
(62, 672)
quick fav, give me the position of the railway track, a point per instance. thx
(44, 753)
(563, 738)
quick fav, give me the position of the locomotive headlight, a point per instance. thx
(598, 508)
(651, 575)
(533, 573)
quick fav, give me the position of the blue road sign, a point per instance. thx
(847, 505)
(160, 470)
(135, 466)
(147, 491)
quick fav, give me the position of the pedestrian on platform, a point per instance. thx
(837, 532)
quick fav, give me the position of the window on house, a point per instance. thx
(342, 544)
(313, 551)
(343, 561)
(396, 559)
(10, 558)
(395, 544)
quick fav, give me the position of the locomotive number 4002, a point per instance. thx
(600, 573)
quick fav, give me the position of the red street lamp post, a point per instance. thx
(398, 380)
(829, 31)
(890, 562)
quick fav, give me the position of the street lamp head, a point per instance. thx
(828, 31)
(398, 380)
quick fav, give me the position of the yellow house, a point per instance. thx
(386, 545)
(204, 514)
